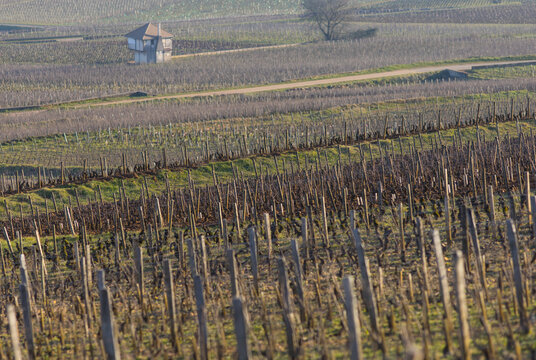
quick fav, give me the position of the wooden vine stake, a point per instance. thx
(108, 329)
(101, 281)
(85, 291)
(14, 332)
(487, 327)
(476, 248)
(233, 271)
(448, 221)
(305, 237)
(286, 301)
(352, 220)
(422, 254)
(325, 223)
(170, 294)
(254, 258)
(463, 315)
(518, 275)
(299, 276)
(191, 257)
(202, 338)
(241, 329)
(368, 291)
(25, 299)
(533, 211)
(444, 290)
(204, 261)
(354, 326)
(6, 235)
(491, 205)
(27, 315)
(268, 234)
(527, 196)
(138, 262)
(401, 230)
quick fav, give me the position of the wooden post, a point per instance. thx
(69, 220)
(56, 256)
(158, 211)
(204, 261)
(288, 316)
(142, 219)
(422, 254)
(368, 291)
(89, 271)
(14, 332)
(76, 255)
(444, 290)
(101, 281)
(85, 290)
(305, 236)
(117, 251)
(254, 260)
(466, 239)
(123, 238)
(108, 329)
(527, 196)
(24, 279)
(410, 201)
(138, 262)
(310, 227)
(465, 336)
(354, 326)
(225, 234)
(268, 234)
(27, 315)
(352, 220)
(235, 291)
(299, 275)
(325, 223)
(365, 200)
(6, 235)
(476, 247)
(401, 229)
(241, 329)
(170, 294)
(533, 210)
(518, 274)
(491, 205)
(39, 247)
(191, 256)
(237, 223)
(447, 221)
(220, 222)
(201, 317)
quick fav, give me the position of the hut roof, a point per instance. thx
(148, 32)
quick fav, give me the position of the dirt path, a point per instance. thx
(302, 84)
(310, 83)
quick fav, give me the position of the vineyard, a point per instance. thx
(32, 84)
(70, 12)
(420, 250)
(106, 44)
(503, 14)
(425, 5)
(273, 203)
(238, 137)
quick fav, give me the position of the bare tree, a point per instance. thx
(329, 15)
